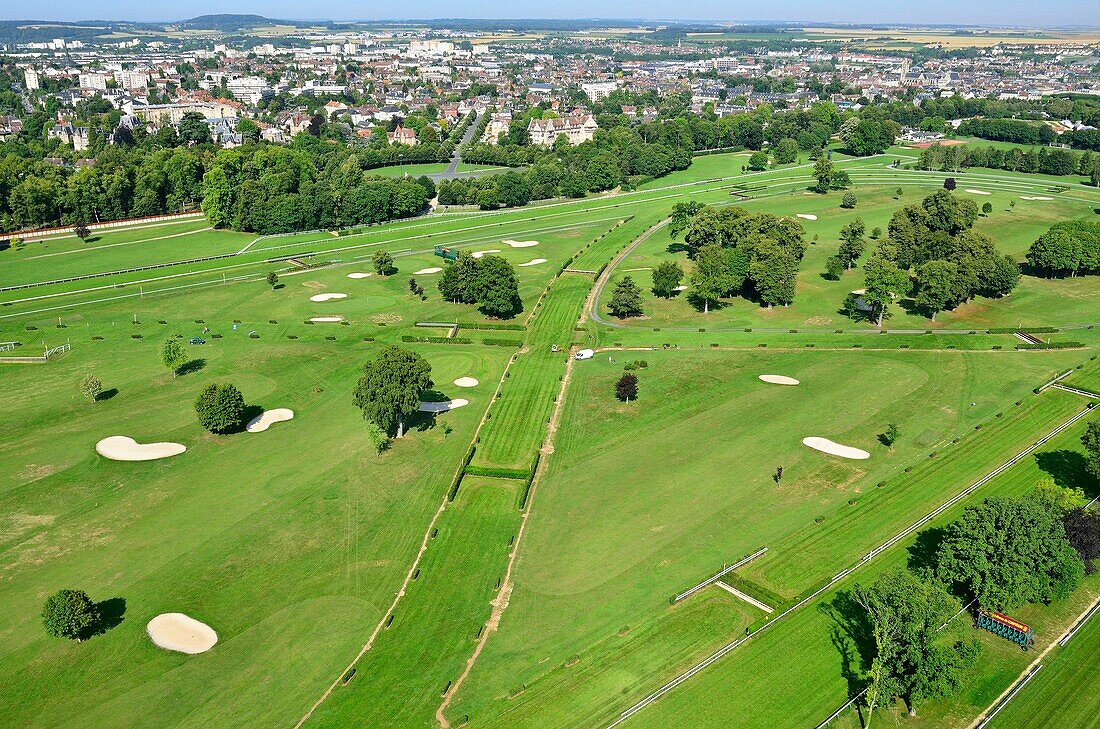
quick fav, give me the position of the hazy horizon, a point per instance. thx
(1007, 13)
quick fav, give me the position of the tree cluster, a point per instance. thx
(489, 282)
(1068, 248)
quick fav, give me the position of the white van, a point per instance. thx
(584, 354)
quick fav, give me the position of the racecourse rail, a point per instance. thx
(724, 650)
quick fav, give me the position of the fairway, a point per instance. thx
(511, 563)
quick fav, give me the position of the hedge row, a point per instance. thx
(503, 342)
(1051, 345)
(529, 481)
(461, 472)
(490, 326)
(436, 340)
(493, 472)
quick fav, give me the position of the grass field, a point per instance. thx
(298, 543)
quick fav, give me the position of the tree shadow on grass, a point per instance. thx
(852, 635)
(922, 553)
(1069, 469)
(250, 413)
(678, 247)
(111, 614)
(191, 366)
(700, 304)
(106, 394)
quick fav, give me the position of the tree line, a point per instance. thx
(1043, 160)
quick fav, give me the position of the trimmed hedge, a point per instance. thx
(436, 340)
(502, 342)
(518, 474)
(1051, 345)
(491, 326)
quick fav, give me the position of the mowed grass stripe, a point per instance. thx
(518, 420)
(399, 681)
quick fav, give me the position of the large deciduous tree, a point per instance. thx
(911, 660)
(220, 408)
(172, 354)
(626, 299)
(716, 274)
(1010, 551)
(666, 277)
(497, 287)
(389, 390)
(459, 280)
(69, 614)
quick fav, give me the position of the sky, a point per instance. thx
(1034, 13)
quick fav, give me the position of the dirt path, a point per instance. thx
(592, 303)
(500, 603)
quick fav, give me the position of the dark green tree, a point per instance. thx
(934, 285)
(220, 408)
(626, 299)
(389, 390)
(1091, 441)
(1009, 551)
(69, 614)
(626, 388)
(834, 267)
(459, 280)
(848, 201)
(823, 173)
(773, 271)
(383, 263)
(851, 242)
(497, 287)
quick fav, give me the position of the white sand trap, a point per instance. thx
(262, 422)
(806, 216)
(327, 297)
(680, 288)
(442, 407)
(533, 262)
(359, 274)
(178, 632)
(125, 448)
(426, 271)
(835, 449)
(466, 382)
(978, 192)
(520, 243)
(327, 319)
(779, 379)
(1035, 197)
(479, 254)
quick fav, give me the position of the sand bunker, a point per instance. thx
(327, 297)
(125, 448)
(466, 382)
(779, 379)
(358, 274)
(978, 192)
(442, 407)
(178, 632)
(533, 262)
(1034, 197)
(327, 319)
(835, 449)
(806, 216)
(426, 271)
(680, 288)
(520, 243)
(479, 254)
(260, 423)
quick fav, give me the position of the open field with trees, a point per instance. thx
(408, 548)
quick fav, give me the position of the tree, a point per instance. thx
(823, 173)
(459, 280)
(248, 129)
(682, 214)
(172, 354)
(1009, 551)
(987, 208)
(496, 288)
(383, 263)
(1060, 498)
(626, 388)
(890, 435)
(513, 190)
(910, 659)
(876, 233)
(81, 231)
(1091, 441)
(391, 386)
(848, 201)
(666, 278)
(272, 278)
(949, 184)
(626, 299)
(834, 267)
(220, 408)
(715, 275)
(773, 271)
(841, 180)
(758, 161)
(193, 129)
(1083, 532)
(90, 387)
(934, 285)
(69, 614)
(882, 280)
(851, 242)
(786, 152)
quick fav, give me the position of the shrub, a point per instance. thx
(220, 408)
